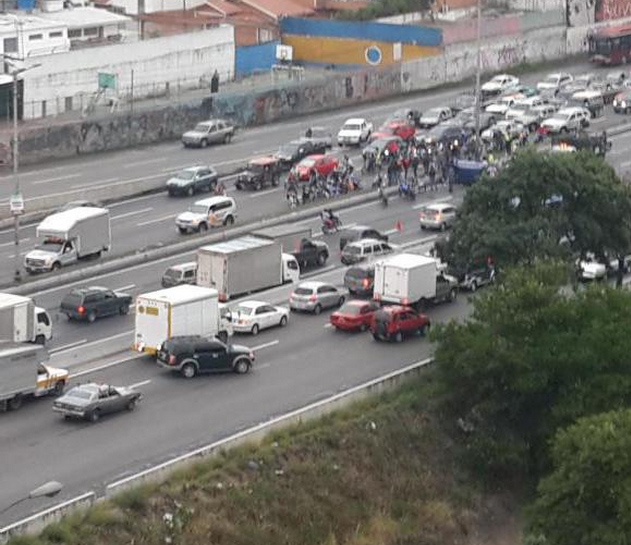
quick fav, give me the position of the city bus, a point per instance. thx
(611, 46)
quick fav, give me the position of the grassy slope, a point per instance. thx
(382, 472)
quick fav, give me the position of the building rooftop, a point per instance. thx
(281, 8)
(26, 23)
(84, 16)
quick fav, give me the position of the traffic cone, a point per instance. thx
(399, 226)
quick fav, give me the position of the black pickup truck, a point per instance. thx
(311, 253)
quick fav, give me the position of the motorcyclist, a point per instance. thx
(328, 216)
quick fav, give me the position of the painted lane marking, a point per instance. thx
(139, 384)
(132, 213)
(157, 220)
(124, 288)
(67, 347)
(146, 162)
(264, 345)
(98, 182)
(106, 366)
(57, 179)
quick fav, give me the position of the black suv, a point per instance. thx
(259, 173)
(289, 154)
(94, 302)
(474, 277)
(191, 355)
(360, 280)
(360, 232)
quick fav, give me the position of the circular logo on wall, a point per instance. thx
(373, 55)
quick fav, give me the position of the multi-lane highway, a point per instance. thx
(148, 221)
(296, 365)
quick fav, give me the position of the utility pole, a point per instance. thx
(478, 69)
(16, 177)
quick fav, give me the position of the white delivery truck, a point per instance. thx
(21, 321)
(68, 236)
(23, 374)
(289, 235)
(244, 265)
(181, 310)
(412, 280)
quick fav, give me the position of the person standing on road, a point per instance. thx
(214, 83)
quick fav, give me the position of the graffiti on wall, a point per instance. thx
(588, 12)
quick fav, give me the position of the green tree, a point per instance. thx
(533, 357)
(538, 201)
(586, 500)
(386, 8)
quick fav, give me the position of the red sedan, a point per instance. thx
(402, 129)
(313, 165)
(354, 316)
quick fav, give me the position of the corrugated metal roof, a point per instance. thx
(238, 244)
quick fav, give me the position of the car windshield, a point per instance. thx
(318, 133)
(50, 246)
(498, 79)
(307, 163)
(356, 274)
(560, 116)
(350, 308)
(198, 209)
(246, 311)
(351, 127)
(201, 127)
(288, 149)
(72, 300)
(185, 175)
(552, 79)
(172, 273)
(434, 112)
(520, 107)
(80, 393)
(303, 291)
(352, 250)
(430, 212)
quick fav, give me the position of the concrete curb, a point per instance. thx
(124, 262)
(384, 383)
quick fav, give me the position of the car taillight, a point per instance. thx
(81, 310)
(405, 302)
(366, 283)
(172, 360)
(313, 298)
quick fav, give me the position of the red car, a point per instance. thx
(354, 316)
(321, 165)
(392, 323)
(402, 129)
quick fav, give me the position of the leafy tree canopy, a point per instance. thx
(534, 356)
(386, 8)
(586, 500)
(538, 201)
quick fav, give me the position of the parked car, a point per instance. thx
(622, 102)
(94, 302)
(193, 180)
(434, 116)
(260, 172)
(359, 232)
(354, 315)
(354, 132)
(289, 154)
(565, 120)
(523, 105)
(501, 106)
(213, 131)
(393, 323)
(555, 81)
(252, 316)
(91, 401)
(176, 275)
(314, 165)
(318, 136)
(362, 250)
(532, 117)
(210, 212)
(499, 83)
(315, 296)
(193, 355)
(360, 279)
(591, 100)
(437, 216)
(466, 120)
(506, 127)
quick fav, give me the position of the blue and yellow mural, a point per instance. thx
(359, 44)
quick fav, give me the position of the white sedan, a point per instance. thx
(252, 316)
(354, 132)
(500, 83)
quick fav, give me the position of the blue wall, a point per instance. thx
(380, 32)
(250, 58)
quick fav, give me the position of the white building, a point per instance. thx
(27, 36)
(137, 7)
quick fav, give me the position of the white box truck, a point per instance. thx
(244, 265)
(68, 236)
(181, 310)
(289, 235)
(412, 280)
(23, 374)
(21, 321)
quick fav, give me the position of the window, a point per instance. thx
(74, 33)
(10, 45)
(42, 318)
(68, 104)
(34, 37)
(92, 31)
(56, 34)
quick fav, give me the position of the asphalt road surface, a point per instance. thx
(148, 221)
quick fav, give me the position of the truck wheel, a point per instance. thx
(241, 366)
(40, 339)
(94, 416)
(317, 309)
(188, 370)
(58, 389)
(56, 266)
(123, 310)
(321, 259)
(91, 316)
(15, 402)
(255, 329)
(398, 337)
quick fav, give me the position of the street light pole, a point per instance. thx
(16, 176)
(48, 490)
(478, 69)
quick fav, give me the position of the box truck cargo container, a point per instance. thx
(181, 310)
(244, 265)
(289, 235)
(21, 321)
(23, 374)
(68, 236)
(414, 280)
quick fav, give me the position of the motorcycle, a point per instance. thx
(407, 191)
(331, 225)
